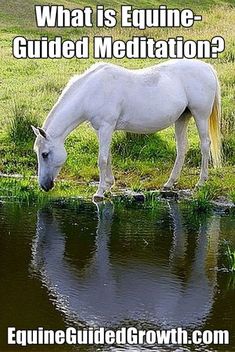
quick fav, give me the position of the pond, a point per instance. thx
(106, 265)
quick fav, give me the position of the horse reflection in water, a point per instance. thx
(113, 277)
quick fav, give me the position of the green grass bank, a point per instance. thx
(29, 88)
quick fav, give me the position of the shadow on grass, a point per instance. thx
(142, 147)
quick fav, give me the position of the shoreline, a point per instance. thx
(81, 190)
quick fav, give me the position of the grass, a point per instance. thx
(19, 126)
(29, 88)
(232, 196)
(231, 258)
(229, 254)
(204, 195)
(26, 190)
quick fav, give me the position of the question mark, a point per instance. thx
(217, 46)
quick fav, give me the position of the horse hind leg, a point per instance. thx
(203, 130)
(181, 127)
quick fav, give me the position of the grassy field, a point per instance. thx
(29, 88)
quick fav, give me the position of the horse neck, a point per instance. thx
(65, 116)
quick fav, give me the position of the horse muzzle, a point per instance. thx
(47, 186)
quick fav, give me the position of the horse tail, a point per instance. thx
(214, 127)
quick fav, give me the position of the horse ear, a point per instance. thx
(38, 131)
(42, 133)
(35, 131)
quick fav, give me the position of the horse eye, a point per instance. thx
(45, 155)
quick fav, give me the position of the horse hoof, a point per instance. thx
(98, 198)
(167, 188)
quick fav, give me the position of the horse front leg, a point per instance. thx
(105, 137)
(110, 180)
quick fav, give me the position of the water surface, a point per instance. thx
(99, 265)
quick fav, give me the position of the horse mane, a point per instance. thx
(71, 86)
(78, 79)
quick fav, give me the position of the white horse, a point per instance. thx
(140, 101)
